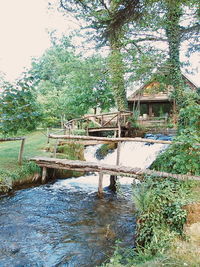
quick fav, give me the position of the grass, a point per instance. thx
(34, 146)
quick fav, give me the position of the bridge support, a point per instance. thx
(44, 175)
(113, 180)
(100, 186)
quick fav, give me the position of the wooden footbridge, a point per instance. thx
(114, 170)
(93, 123)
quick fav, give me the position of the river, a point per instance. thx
(64, 223)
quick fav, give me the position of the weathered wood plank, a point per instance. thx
(125, 113)
(107, 122)
(105, 168)
(121, 139)
(11, 139)
(102, 129)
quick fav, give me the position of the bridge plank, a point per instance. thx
(105, 168)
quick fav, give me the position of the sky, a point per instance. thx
(24, 26)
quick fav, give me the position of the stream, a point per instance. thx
(64, 223)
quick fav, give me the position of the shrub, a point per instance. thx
(160, 215)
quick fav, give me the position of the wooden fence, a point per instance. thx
(20, 156)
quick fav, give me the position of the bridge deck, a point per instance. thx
(86, 166)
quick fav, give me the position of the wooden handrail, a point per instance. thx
(121, 139)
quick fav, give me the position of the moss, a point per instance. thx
(71, 151)
(104, 150)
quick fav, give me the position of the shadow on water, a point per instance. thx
(64, 224)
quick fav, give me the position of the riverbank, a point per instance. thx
(13, 175)
(168, 228)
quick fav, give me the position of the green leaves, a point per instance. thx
(160, 214)
(68, 85)
(18, 109)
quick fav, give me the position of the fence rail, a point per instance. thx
(8, 139)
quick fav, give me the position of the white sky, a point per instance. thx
(23, 29)
(24, 26)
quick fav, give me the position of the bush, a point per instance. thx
(183, 156)
(160, 215)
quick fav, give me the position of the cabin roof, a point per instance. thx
(161, 96)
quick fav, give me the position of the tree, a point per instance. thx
(174, 23)
(68, 85)
(18, 108)
(108, 19)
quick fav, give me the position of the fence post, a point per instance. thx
(21, 152)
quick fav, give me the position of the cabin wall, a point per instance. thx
(157, 109)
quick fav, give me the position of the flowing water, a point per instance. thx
(64, 223)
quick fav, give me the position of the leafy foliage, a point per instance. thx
(160, 214)
(183, 156)
(109, 20)
(69, 85)
(18, 108)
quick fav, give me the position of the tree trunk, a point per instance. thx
(116, 67)
(173, 35)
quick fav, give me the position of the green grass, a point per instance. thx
(34, 146)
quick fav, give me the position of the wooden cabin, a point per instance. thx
(154, 102)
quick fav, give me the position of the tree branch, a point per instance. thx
(148, 39)
(186, 32)
(104, 4)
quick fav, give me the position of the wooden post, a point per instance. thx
(124, 118)
(55, 148)
(119, 124)
(100, 186)
(150, 110)
(44, 174)
(118, 153)
(61, 121)
(87, 130)
(112, 186)
(101, 120)
(47, 135)
(21, 152)
(113, 178)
